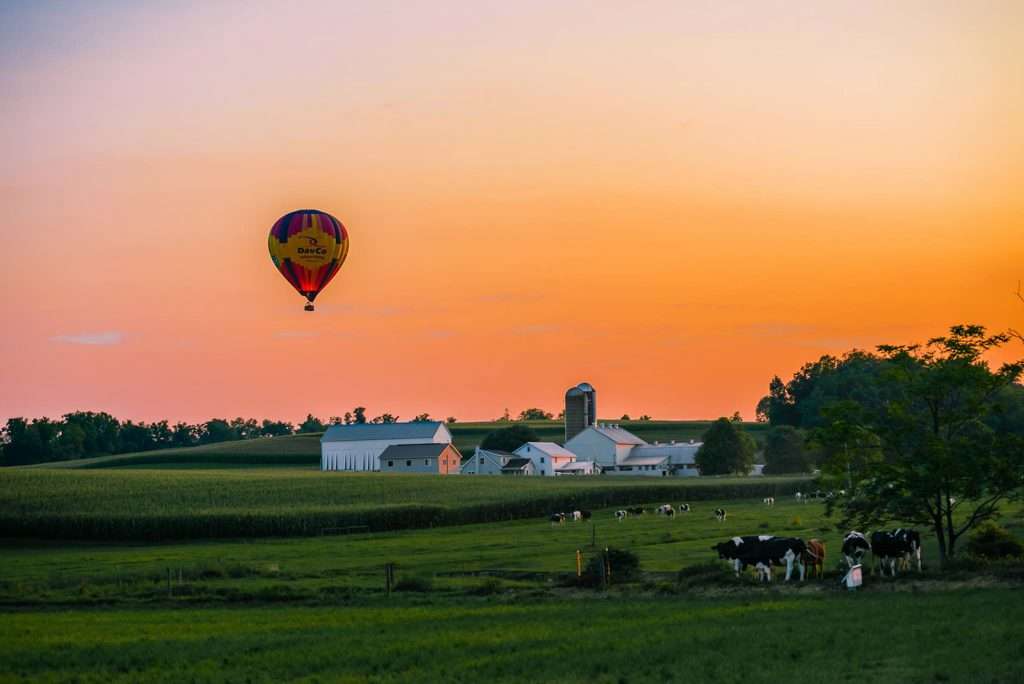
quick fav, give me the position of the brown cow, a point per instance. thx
(814, 557)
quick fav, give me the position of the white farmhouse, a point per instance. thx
(547, 457)
(619, 452)
(358, 447)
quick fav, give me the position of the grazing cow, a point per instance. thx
(557, 518)
(684, 508)
(636, 510)
(768, 500)
(855, 545)
(800, 498)
(720, 514)
(621, 515)
(577, 516)
(894, 549)
(762, 552)
(585, 515)
(666, 510)
(814, 557)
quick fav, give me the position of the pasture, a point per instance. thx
(880, 637)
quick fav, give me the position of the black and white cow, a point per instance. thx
(577, 516)
(855, 546)
(557, 518)
(621, 515)
(585, 515)
(636, 510)
(720, 514)
(684, 508)
(762, 552)
(768, 501)
(666, 510)
(895, 548)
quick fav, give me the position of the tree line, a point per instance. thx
(85, 434)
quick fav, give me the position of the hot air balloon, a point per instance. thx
(308, 247)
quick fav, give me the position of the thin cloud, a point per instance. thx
(103, 339)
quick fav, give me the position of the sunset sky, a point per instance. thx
(671, 200)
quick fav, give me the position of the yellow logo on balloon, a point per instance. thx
(311, 247)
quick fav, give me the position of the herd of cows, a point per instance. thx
(892, 550)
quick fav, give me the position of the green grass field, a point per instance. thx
(880, 638)
(304, 449)
(158, 504)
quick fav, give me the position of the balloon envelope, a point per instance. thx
(308, 247)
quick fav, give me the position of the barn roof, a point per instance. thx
(516, 464)
(428, 450)
(549, 448)
(616, 434)
(381, 431)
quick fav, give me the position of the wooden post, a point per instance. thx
(389, 576)
(593, 534)
(579, 563)
(607, 567)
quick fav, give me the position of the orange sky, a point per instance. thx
(673, 201)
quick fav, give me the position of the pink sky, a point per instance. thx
(673, 201)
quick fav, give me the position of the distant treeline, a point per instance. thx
(85, 434)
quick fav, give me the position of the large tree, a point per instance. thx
(932, 453)
(785, 452)
(727, 449)
(510, 438)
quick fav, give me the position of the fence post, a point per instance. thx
(579, 564)
(389, 576)
(170, 593)
(593, 534)
(607, 567)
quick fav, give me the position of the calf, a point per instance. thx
(557, 518)
(720, 514)
(762, 552)
(855, 545)
(684, 508)
(768, 500)
(814, 557)
(577, 516)
(666, 510)
(636, 510)
(621, 515)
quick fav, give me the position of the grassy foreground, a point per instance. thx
(115, 504)
(896, 637)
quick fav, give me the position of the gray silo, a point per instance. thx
(580, 409)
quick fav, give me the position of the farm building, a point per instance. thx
(434, 458)
(617, 451)
(358, 447)
(547, 457)
(495, 462)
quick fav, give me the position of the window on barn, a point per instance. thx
(541, 459)
(408, 463)
(481, 461)
(427, 461)
(391, 464)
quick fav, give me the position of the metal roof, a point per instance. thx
(617, 434)
(427, 450)
(643, 460)
(381, 431)
(516, 464)
(549, 448)
(678, 454)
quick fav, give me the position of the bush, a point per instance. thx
(993, 541)
(702, 575)
(624, 565)
(419, 584)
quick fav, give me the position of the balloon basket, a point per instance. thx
(308, 307)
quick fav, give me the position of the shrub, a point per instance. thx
(418, 584)
(624, 566)
(993, 541)
(702, 575)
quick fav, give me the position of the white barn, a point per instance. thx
(493, 462)
(358, 447)
(619, 452)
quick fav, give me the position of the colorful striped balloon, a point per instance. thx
(308, 247)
